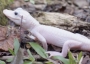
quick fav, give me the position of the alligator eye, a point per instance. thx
(16, 13)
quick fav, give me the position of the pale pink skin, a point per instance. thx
(48, 34)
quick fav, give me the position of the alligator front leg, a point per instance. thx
(66, 47)
(40, 38)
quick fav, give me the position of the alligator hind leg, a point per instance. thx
(66, 47)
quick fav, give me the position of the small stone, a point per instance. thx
(88, 19)
(81, 3)
(80, 14)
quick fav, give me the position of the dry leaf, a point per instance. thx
(7, 35)
(3, 31)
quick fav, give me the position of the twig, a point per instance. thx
(21, 27)
(24, 57)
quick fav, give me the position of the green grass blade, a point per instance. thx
(2, 62)
(12, 52)
(31, 56)
(80, 62)
(16, 45)
(9, 60)
(71, 58)
(28, 62)
(65, 61)
(79, 56)
(39, 50)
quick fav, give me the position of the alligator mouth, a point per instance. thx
(11, 17)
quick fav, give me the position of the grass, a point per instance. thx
(4, 4)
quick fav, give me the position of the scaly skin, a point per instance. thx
(48, 34)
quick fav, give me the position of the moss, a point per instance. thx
(4, 4)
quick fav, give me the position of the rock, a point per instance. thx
(17, 3)
(81, 3)
(50, 5)
(40, 1)
(55, 8)
(88, 1)
(86, 60)
(52, 18)
(50, 2)
(88, 19)
(64, 21)
(40, 6)
(29, 7)
(70, 9)
(80, 14)
(69, 1)
(21, 3)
